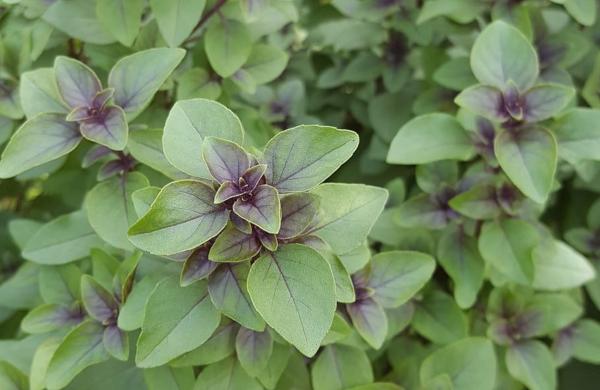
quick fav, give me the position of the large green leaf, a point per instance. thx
(225, 375)
(294, 291)
(347, 214)
(77, 19)
(439, 319)
(507, 245)
(265, 63)
(62, 240)
(183, 216)
(188, 124)
(137, 77)
(341, 367)
(220, 345)
(41, 139)
(145, 145)
(300, 158)
(39, 93)
(110, 208)
(470, 363)
(176, 18)
(531, 363)
(228, 45)
(228, 292)
(502, 53)
(177, 320)
(81, 348)
(577, 135)
(428, 138)
(559, 267)
(122, 18)
(586, 341)
(165, 377)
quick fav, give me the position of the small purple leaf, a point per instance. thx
(314, 242)
(109, 169)
(369, 319)
(103, 97)
(227, 190)
(251, 178)
(297, 212)
(514, 102)
(226, 160)
(545, 100)
(98, 301)
(267, 240)
(79, 114)
(77, 83)
(107, 127)
(240, 224)
(253, 350)
(233, 246)
(261, 208)
(116, 342)
(483, 100)
(197, 267)
(95, 154)
(50, 317)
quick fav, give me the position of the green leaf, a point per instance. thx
(39, 365)
(531, 363)
(197, 83)
(39, 93)
(483, 100)
(470, 363)
(11, 378)
(224, 375)
(369, 320)
(77, 18)
(398, 275)
(584, 11)
(49, 317)
(428, 138)
(62, 240)
(298, 275)
(219, 346)
(142, 199)
(77, 83)
(145, 145)
(182, 217)
(502, 53)
(262, 209)
(188, 124)
(265, 63)
(439, 319)
(41, 139)
(297, 212)
(116, 342)
(344, 289)
(98, 302)
(560, 267)
(455, 73)
(131, 314)
(81, 348)
(176, 19)
(165, 377)
(300, 158)
(135, 81)
(169, 329)
(507, 246)
(60, 284)
(228, 45)
(253, 350)
(110, 208)
(546, 100)
(347, 214)
(122, 18)
(586, 345)
(479, 202)
(229, 294)
(233, 246)
(19, 291)
(341, 367)
(577, 136)
(460, 258)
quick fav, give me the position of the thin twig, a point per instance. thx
(213, 10)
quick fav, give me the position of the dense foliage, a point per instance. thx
(182, 207)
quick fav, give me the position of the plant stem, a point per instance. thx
(213, 10)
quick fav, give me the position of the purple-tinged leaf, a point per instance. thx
(514, 103)
(227, 190)
(546, 100)
(261, 208)
(109, 169)
(116, 342)
(268, 240)
(300, 158)
(102, 97)
(233, 245)
(50, 317)
(229, 294)
(77, 83)
(483, 100)
(424, 211)
(315, 242)
(240, 224)
(253, 350)
(95, 154)
(98, 301)
(251, 178)
(41, 139)
(108, 127)
(79, 114)
(197, 267)
(297, 212)
(226, 160)
(368, 317)
(182, 217)
(137, 77)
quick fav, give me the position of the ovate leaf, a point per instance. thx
(224, 375)
(559, 267)
(177, 320)
(439, 319)
(369, 320)
(253, 350)
(41, 139)
(341, 367)
(225, 160)
(228, 45)
(98, 302)
(262, 208)
(122, 18)
(546, 100)
(232, 246)
(294, 291)
(182, 217)
(531, 363)
(77, 83)
(39, 93)
(137, 77)
(300, 158)
(297, 212)
(108, 128)
(176, 18)
(576, 135)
